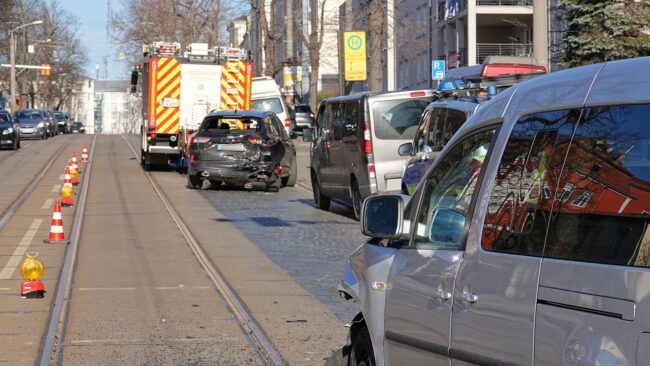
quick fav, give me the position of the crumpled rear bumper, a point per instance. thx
(239, 174)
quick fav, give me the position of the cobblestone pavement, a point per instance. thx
(310, 244)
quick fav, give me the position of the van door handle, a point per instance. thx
(442, 295)
(469, 297)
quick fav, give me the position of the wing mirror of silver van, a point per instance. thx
(405, 149)
(383, 216)
(307, 134)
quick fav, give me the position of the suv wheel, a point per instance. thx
(361, 353)
(290, 181)
(194, 182)
(322, 202)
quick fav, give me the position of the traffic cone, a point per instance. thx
(73, 161)
(84, 154)
(56, 230)
(67, 179)
(73, 174)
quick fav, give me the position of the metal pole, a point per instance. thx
(390, 45)
(341, 65)
(12, 65)
(305, 52)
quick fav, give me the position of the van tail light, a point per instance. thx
(312, 115)
(287, 123)
(255, 140)
(367, 141)
(278, 170)
(192, 157)
(371, 171)
(152, 136)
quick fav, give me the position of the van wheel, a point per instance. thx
(361, 353)
(356, 200)
(146, 162)
(322, 202)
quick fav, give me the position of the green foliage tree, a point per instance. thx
(604, 30)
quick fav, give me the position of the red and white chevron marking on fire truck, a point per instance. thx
(236, 79)
(165, 92)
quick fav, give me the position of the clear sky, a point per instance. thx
(92, 18)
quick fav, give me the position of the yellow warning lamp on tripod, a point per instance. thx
(31, 268)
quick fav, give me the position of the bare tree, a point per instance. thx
(186, 21)
(268, 35)
(313, 42)
(54, 42)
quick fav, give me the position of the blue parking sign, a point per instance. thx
(438, 69)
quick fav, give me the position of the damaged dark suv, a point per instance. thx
(242, 148)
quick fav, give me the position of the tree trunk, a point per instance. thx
(313, 80)
(375, 41)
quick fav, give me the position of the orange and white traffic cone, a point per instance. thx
(73, 161)
(73, 174)
(84, 154)
(56, 230)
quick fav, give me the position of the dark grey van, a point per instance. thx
(528, 240)
(355, 141)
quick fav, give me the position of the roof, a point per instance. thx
(240, 113)
(111, 86)
(606, 83)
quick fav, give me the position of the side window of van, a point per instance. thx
(526, 182)
(448, 193)
(351, 120)
(436, 128)
(447, 123)
(321, 121)
(603, 213)
(420, 143)
(337, 120)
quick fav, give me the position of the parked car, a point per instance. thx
(78, 127)
(32, 122)
(304, 117)
(440, 121)
(64, 124)
(243, 148)
(531, 228)
(9, 136)
(355, 141)
(266, 96)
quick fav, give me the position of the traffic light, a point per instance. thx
(45, 72)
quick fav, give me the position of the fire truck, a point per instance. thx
(180, 88)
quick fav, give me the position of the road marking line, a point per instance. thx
(21, 249)
(106, 288)
(145, 341)
(62, 177)
(4, 289)
(56, 188)
(48, 203)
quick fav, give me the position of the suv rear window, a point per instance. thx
(303, 109)
(398, 119)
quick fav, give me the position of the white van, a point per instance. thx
(266, 96)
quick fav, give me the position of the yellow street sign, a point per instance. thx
(355, 55)
(121, 56)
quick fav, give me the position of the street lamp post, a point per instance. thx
(12, 63)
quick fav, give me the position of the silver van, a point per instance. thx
(528, 240)
(355, 141)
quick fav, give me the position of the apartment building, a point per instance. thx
(464, 33)
(116, 110)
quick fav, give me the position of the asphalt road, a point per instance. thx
(139, 295)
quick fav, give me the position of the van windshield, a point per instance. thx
(269, 104)
(398, 119)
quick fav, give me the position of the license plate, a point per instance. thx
(27, 130)
(230, 147)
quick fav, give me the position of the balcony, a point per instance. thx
(484, 50)
(504, 2)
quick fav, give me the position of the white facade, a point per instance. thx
(82, 104)
(116, 110)
(237, 31)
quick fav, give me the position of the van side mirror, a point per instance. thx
(307, 134)
(405, 149)
(382, 216)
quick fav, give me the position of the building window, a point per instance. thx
(583, 199)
